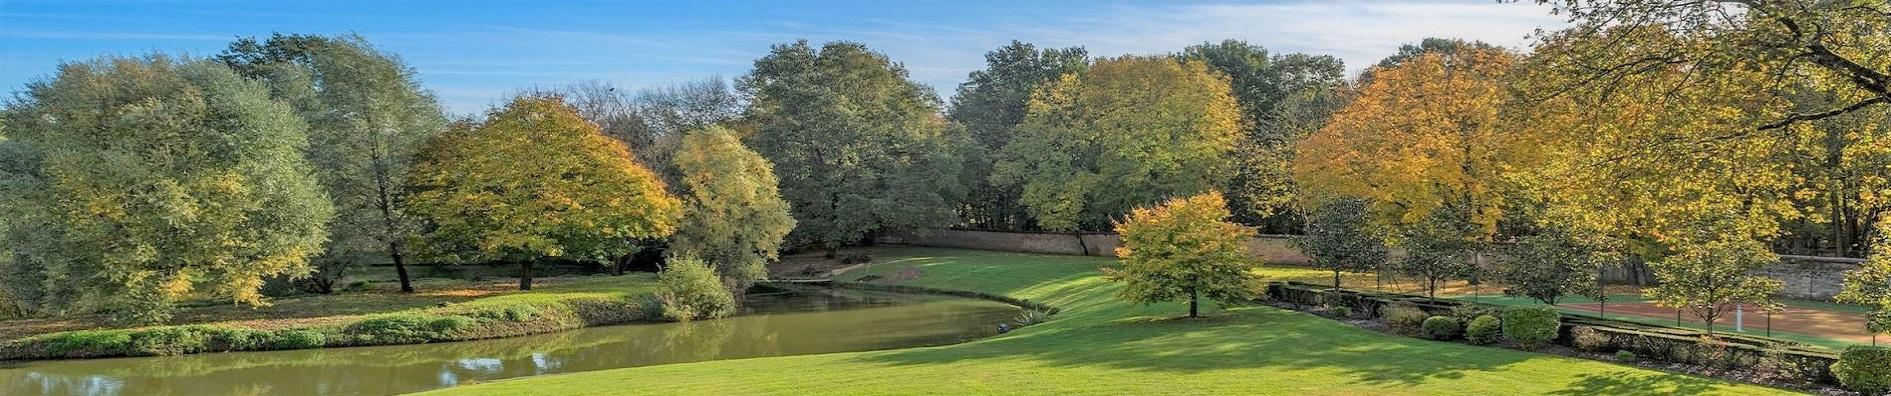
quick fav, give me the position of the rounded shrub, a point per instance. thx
(1588, 339)
(1531, 327)
(300, 339)
(1443, 328)
(1864, 369)
(1484, 330)
(1624, 356)
(1404, 319)
(688, 289)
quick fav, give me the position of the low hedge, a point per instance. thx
(1645, 341)
(459, 322)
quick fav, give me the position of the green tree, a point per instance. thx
(535, 180)
(133, 182)
(1275, 93)
(733, 214)
(1340, 237)
(990, 104)
(1557, 263)
(1870, 285)
(857, 146)
(1128, 131)
(1709, 277)
(688, 289)
(367, 114)
(1184, 249)
(1439, 249)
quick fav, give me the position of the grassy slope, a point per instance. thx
(1102, 346)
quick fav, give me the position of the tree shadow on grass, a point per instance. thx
(1616, 383)
(1252, 338)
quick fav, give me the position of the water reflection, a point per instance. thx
(786, 323)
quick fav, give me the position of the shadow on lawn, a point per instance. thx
(1616, 384)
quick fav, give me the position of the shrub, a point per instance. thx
(1469, 312)
(689, 289)
(88, 342)
(1531, 327)
(390, 329)
(1484, 330)
(1587, 339)
(300, 339)
(1032, 316)
(1404, 319)
(240, 339)
(1340, 311)
(169, 340)
(1865, 369)
(1442, 328)
(1624, 356)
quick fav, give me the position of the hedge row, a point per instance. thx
(1673, 344)
(462, 322)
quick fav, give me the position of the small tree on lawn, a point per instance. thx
(1184, 248)
(1439, 249)
(1870, 285)
(1709, 279)
(1339, 238)
(1557, 263)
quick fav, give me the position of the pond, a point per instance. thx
(775, 323)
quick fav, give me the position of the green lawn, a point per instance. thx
(1101, 346)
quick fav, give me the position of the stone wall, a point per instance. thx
(1809, 277)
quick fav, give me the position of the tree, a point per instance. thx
(1279, 96)
(1557, 263)
(1421, 135)
(1713, 275)
(367, 114)
(990, 104)
(1184, 248)
(1722, 39)
(651, 121)
(134, 182)
(857, 146)
(535, 180)
(1127, 132)
(1870, 285)
(1340, 238)
(1439, 249)
(688, 289)
(733, 214)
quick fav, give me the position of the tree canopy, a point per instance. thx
(1185, 249)
(1127, 132)
(535, 180)
(989, 105)
(857, 146)
(733, 214)
(133, 182)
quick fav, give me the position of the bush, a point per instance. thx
(1404, 319)
(240, 339)
(1531, 327)
(1469, 312)
(1484, 330)
(88, 343)
(300, 339)
(1340, 311)
(1624, 356)
(1032, 316)
(1865, 369)
(173, 340)
(688, 289)
(1587, 339)
(1442, 328)
(390, 329)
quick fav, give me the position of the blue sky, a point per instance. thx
(471, 53)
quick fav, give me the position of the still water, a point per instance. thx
(774, 324)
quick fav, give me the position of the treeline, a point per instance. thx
(1663, 132)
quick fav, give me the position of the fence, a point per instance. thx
(1808, 277)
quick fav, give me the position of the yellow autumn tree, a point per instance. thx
(1422, 134)
(1187, 249)
(535, 180)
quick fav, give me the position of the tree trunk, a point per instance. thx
(1335, 279)
(1082, 247)
(400, 267)
(525, 275)
(1192, 297)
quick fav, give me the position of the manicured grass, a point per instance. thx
(1101, 346)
